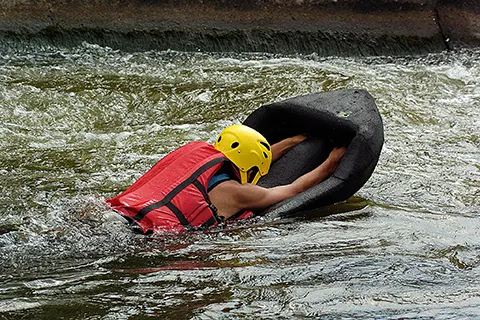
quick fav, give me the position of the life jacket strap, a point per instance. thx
(214, 218)
(180, 216)
(167, 200)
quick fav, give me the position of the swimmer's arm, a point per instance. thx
(282, 147)
(255, 197)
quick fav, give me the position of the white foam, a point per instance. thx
(17, 304)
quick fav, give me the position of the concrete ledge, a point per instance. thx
(459, 22)
(327, 27)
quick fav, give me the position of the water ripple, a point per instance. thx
(81, 124)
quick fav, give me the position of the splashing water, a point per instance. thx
(80, 125)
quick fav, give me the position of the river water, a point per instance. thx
(80, 124)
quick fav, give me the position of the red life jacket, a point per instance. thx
(172, 195)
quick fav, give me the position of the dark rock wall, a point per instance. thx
(327, 27)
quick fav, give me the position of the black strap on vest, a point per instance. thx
(214, 218)
(179, 214)
(168, 198)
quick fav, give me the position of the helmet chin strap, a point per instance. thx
(243, 177)
(256, 178)
(252, 176)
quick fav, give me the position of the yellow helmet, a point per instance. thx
(248, 150)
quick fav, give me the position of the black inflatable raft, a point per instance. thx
(337, 118)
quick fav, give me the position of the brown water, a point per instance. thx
(81, 124)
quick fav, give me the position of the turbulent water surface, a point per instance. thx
(81, 124)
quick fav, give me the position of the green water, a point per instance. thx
(81, 124)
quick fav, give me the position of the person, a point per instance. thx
(200, 185)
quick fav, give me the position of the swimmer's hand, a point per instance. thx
(336, 155)
(282, 147)
(297, 139)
